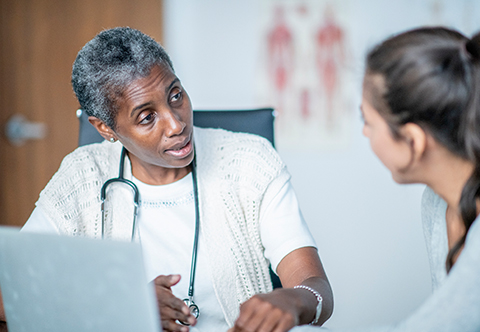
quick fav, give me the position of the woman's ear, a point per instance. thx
(102, 128)
(416, 138)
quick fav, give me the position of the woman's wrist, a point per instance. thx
(319, 302)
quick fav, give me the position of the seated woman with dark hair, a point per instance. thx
(421, 108)
(232, 188)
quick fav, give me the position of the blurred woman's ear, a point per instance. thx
(417, 139)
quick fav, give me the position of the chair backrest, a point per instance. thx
(255, 121)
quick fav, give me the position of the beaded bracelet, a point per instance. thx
(319, 304)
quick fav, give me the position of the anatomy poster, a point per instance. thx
(305, 72)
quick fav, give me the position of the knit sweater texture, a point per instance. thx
(235, 172)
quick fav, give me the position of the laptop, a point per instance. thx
(59, 283)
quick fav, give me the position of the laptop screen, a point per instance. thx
(59, 283)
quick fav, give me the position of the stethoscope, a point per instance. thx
(194, 310)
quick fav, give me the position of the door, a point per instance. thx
(39, 40)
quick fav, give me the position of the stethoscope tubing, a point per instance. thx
(197, 226)
(136, 200)
(121, 179)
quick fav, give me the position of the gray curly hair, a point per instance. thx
(108, 64)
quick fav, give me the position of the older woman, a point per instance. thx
(231, 187)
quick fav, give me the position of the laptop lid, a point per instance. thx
(59, 283)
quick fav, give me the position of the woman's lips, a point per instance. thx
(182, 152)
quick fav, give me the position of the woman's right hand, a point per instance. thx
(172, 309)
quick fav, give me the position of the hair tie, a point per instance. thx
(472, 47)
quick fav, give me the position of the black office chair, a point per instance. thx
(256, 121)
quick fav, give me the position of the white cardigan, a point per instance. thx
(235, 172)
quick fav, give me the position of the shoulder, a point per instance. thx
(237, 157)
(222, 136)
(237, 151)
(96, 154)
(71, 198)
(90, 162)
(214, 142)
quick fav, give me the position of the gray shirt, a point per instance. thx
(454, 305)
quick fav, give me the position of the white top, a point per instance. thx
(166, 222)
(454, 305)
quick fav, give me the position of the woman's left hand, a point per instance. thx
(284, 308)
(276, 311)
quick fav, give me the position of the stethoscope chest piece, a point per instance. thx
(194, 310)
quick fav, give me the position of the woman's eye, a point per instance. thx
(147, 119)
(176, 97)
(362, 118)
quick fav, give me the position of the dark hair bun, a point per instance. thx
(473, 47)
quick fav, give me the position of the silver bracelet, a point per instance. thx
(319, 298)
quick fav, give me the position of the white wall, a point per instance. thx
(368, 228)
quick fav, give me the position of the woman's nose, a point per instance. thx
(364, 131)
(173, 124)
